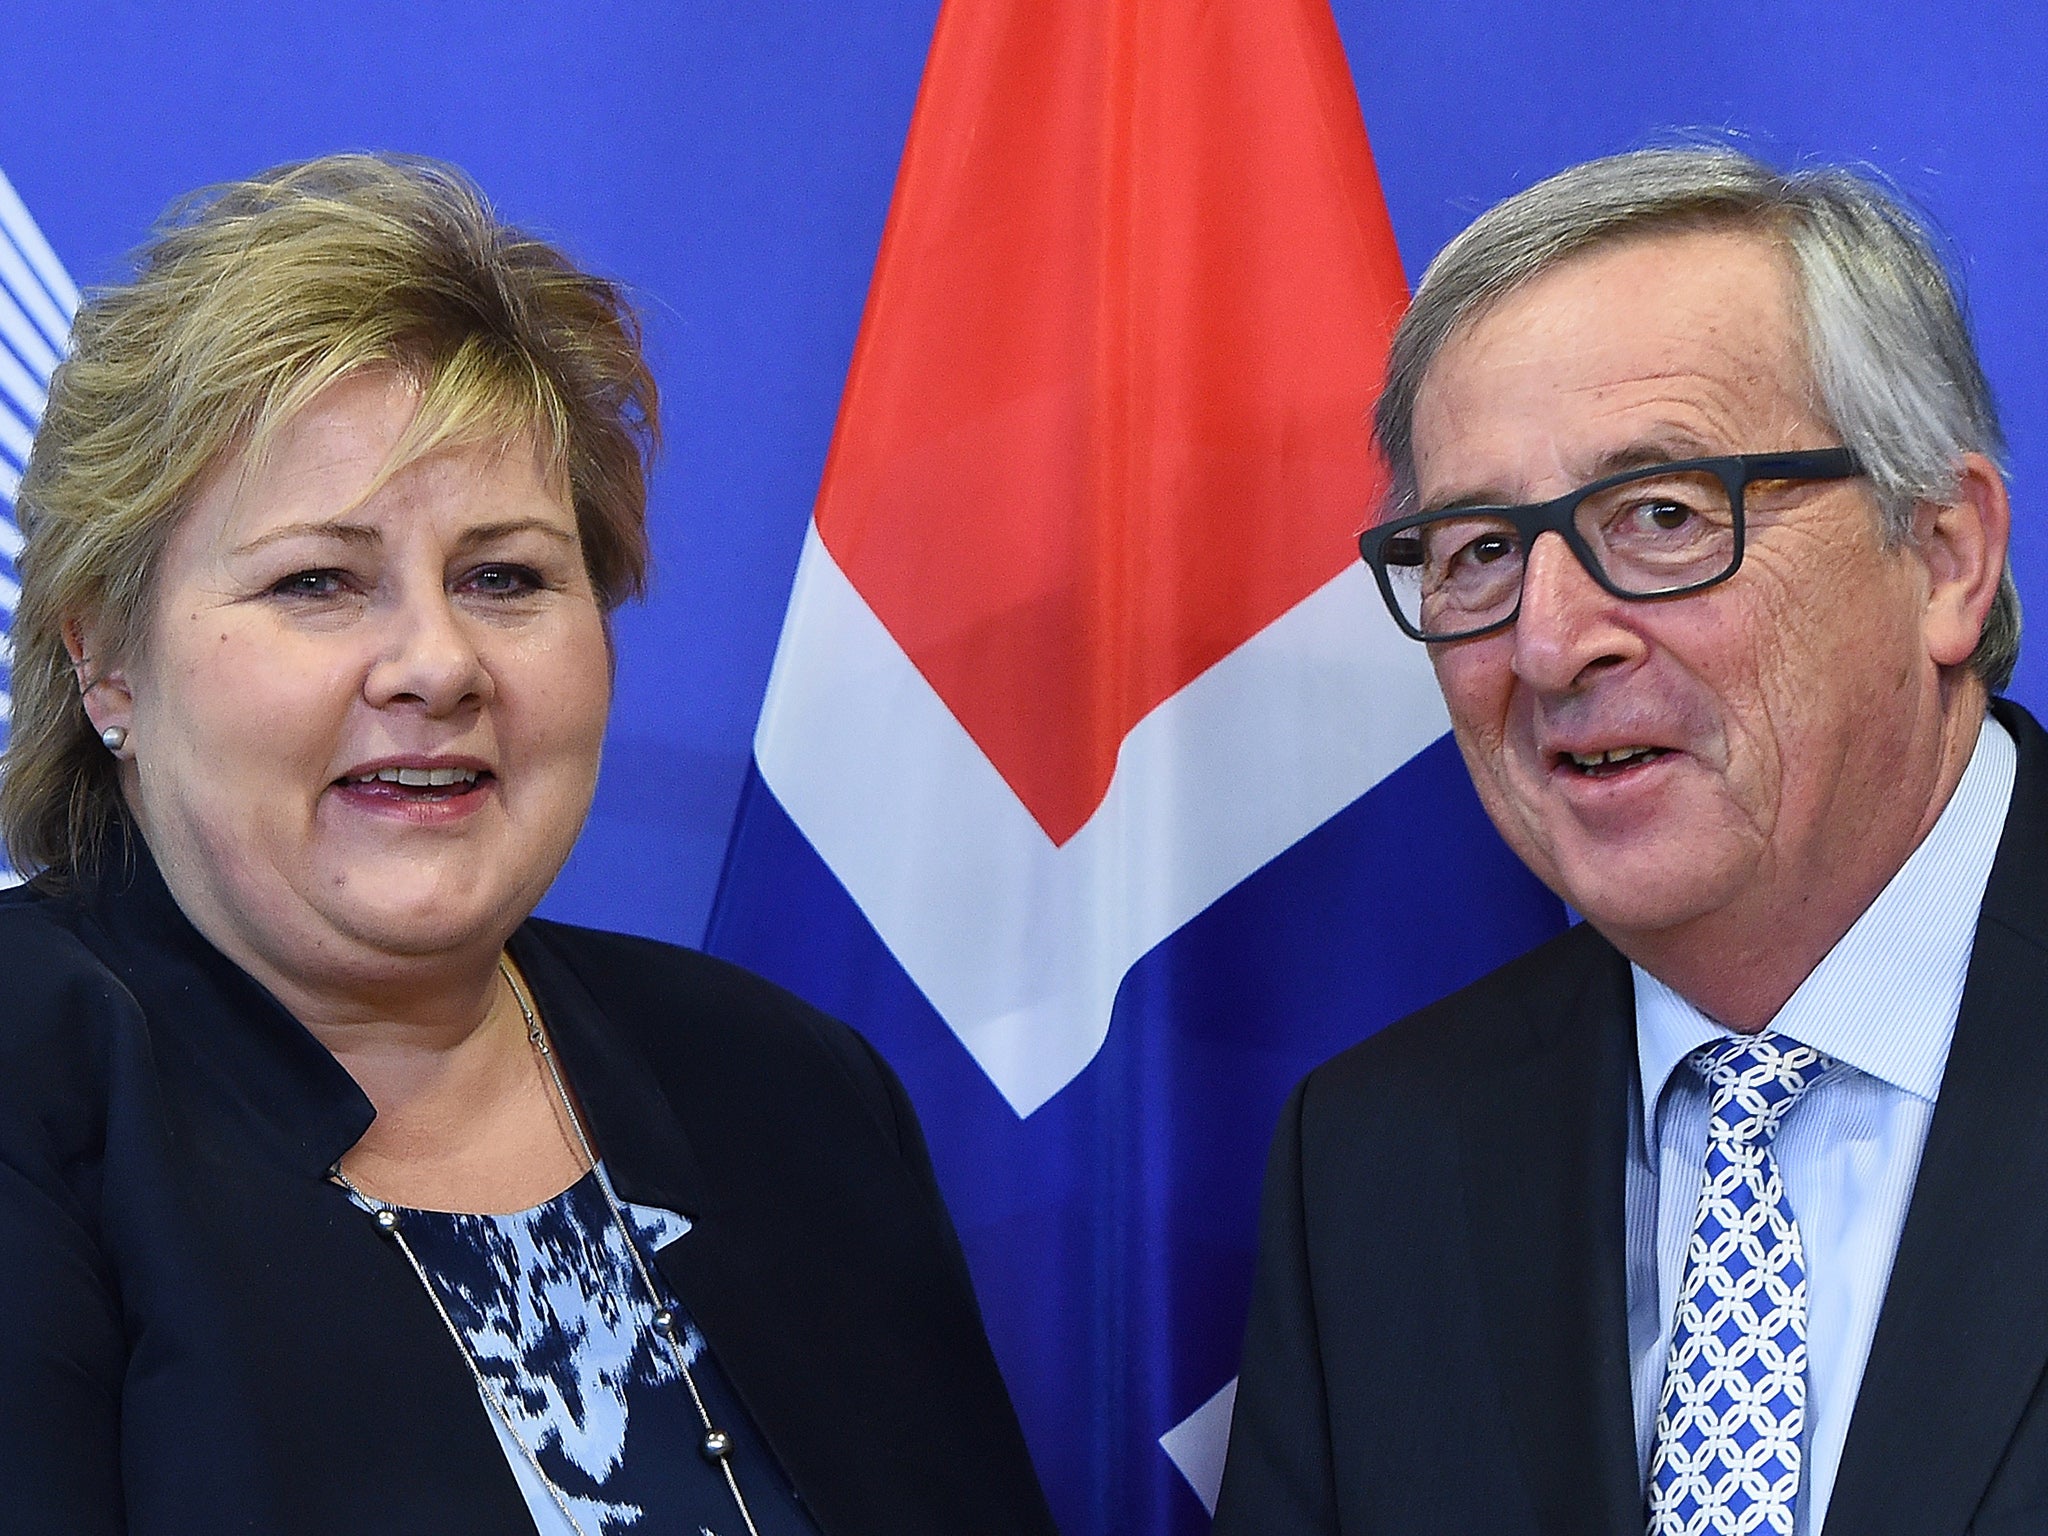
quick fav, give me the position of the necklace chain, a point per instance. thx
(716, 1444)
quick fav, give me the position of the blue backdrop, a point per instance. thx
(734, 163)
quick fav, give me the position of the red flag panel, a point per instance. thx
(1107, 415)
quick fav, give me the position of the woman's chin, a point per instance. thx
(424, 894)
(414, 915)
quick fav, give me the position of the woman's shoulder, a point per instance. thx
(56, 977)
(682, 1003)
(66, 1021)
(671, 977)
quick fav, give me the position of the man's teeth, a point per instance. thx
(1617, 755)
(418, 778)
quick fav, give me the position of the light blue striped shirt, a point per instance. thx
(1883, 1004)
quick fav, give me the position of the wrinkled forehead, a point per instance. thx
(1664, 345)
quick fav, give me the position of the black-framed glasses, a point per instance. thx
(1662, 531)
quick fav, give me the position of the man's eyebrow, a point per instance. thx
(1649, 453)
(1469, 499)
(1645, 453)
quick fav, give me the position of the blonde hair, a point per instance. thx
(250, 299)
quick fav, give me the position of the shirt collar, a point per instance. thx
(1910, 948)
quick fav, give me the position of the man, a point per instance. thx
(1727, 1210)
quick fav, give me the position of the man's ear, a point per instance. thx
(108, 699)
(1962, 542)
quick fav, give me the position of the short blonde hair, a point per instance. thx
(248, 300)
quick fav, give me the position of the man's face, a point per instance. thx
(1768, 723)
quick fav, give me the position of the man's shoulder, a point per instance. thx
(1567, 983)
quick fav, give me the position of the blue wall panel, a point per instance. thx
(733, 163)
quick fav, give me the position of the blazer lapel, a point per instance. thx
(639, 1137)
(1545, 1146)
(721, 1266)
(1962, 1339)
(761, 1277)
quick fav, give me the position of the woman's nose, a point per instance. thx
(430, 657)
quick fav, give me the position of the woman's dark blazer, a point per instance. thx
(199, 1333)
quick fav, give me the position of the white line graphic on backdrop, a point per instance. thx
(37, 301)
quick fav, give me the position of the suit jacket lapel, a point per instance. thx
(1545, 1146)
(1963, 1335)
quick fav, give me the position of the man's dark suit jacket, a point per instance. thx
(199, 1333)
(1438, 1339)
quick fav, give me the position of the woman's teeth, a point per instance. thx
(417, 778)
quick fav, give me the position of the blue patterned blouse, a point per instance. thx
(558, 1320)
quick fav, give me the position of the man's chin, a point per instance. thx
(1625, 897)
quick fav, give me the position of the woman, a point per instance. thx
(338, 1194)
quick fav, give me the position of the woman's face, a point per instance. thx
(366, 724)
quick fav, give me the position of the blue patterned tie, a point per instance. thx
(1734, 1406)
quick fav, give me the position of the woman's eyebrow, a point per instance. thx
(365, 534)
(347, 533)
(487, 533)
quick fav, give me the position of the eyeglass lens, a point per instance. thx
(1660, 532)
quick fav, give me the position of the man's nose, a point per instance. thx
(430, 656)
(1569, 626)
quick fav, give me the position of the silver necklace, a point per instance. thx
(716, 1444)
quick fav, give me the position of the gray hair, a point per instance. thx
(1894, 369)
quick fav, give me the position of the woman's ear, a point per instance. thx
(109, 703)
(1963, 542)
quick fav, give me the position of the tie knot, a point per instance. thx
(1754, 1080)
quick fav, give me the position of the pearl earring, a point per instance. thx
(114, 737)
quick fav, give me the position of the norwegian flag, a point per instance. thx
(1093, 783)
